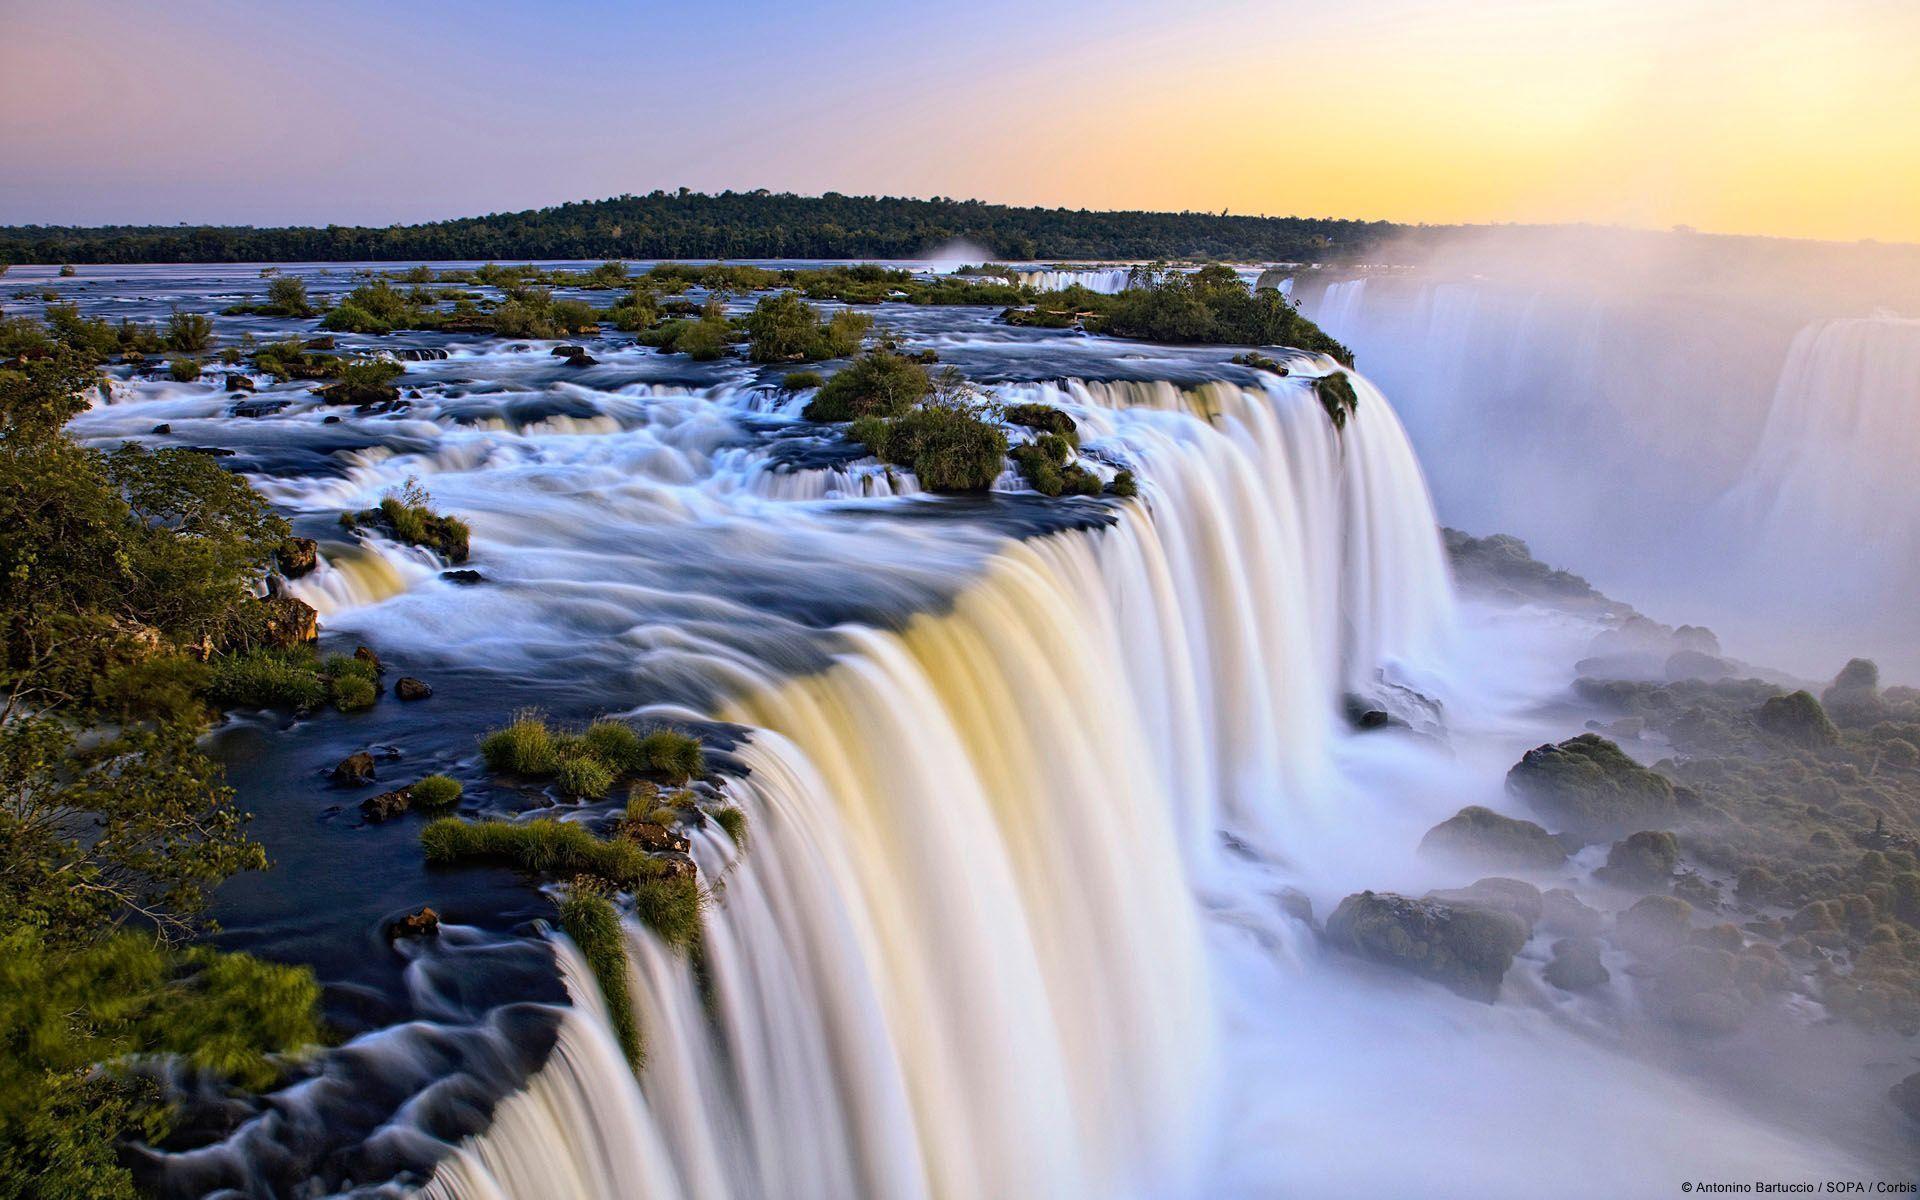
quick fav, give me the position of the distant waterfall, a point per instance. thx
(1831, 481)
(963, 957)
(1705, 457)
(1105, 280)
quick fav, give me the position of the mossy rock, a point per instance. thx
(1654, 924)
(1576, 965)
(1798, 718)
(1465, 949)
(1590, 787)
(1486, 838)
(1514, 897)
(1644, 859)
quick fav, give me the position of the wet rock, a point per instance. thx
(1644, 859)
(209, 451)
(386, 806)
(1576, 965)
(320, 343)
(1798, 718)
(255, 409)
(1653, 925)
(1691, 664)
(1853, 698)
(297, 556)
(1296, 904)
(425, 923)
(1562, 912)
(582, 360)
(330, 419)
(355, 770)
(567, 351)
(366, 655)
(466, 578)
(1482, 836)
(409, 688)
(162, 429)
(420, 354)
(239, 383)
(1465, 949)
(286, 622)
(651, 835)
(1697, 890)
(1589, 786)
(678, 866)
(1906, 1097)
(1514, 897)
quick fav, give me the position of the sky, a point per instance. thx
(1789, 117)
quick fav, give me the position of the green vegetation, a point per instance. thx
(435, 792)
(946, 442)
(286, 297)
(1043, 462)
(365, 381)
(588, 763)
(1044, 418)
(409, 517)
(1123, 485)
(880, 383)
(1336, 395)
(594, 925)
(785, 328)
(267, 678)
(734, 821)
(189, 333)
(1260, 362)
(1212, 305)
(118, 572)
(759, 224)
(800, 381)
(703, 339)
(547, 848)
(183, 370)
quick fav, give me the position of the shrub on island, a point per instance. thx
(880, 383)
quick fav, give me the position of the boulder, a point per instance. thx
(1853, 698)
(297, 556)
(1514, 897)
(1576, 965)
(1653, 925)
(409, 688)
(237, 382)
(1906, 1097)
(465, 578)
(1644, 859)
(286, 622)
(1562, 912)
(1296, 904)
(425, 923)
(1697, 890)
(1797, 718)
(567, 351)
(582, 359)
(1691, 664)
(651, 835)
(1589, 786)
(677, 866)
(386, 806)
(355, 770)
(1484, 837)
(162, 429)
(1465, 949)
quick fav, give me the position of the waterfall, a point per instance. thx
(1838, 447)
(1722, 459)
(1105, 280)
(964, 955)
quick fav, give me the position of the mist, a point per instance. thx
(1713, 429)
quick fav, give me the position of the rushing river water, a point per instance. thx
(1027, 780)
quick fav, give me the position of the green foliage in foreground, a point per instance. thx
(593, 923)
(435, 792)
(64, 1008)
(734, 821)
(116, 569)
(1044, 463)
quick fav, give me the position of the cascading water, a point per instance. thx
(1694, 452)
(1105, 280)
(977, 841)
